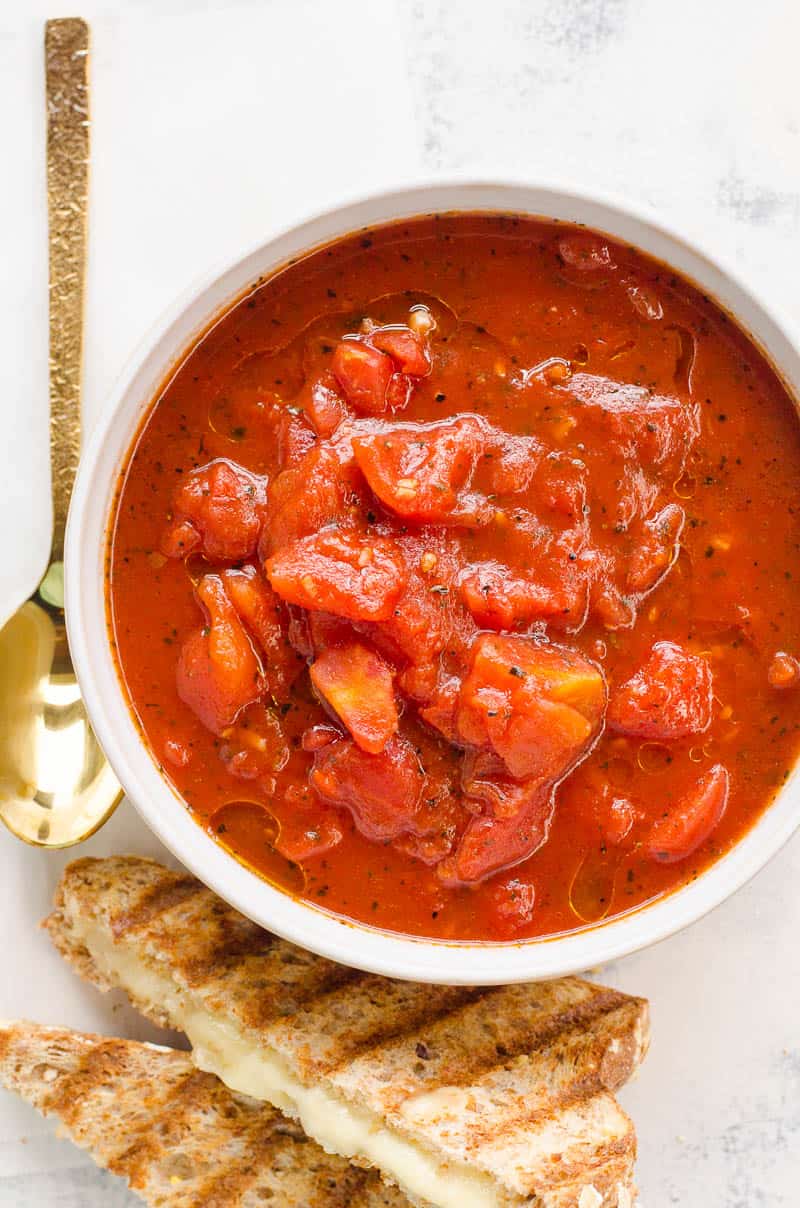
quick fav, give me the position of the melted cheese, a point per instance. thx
(339, 1127)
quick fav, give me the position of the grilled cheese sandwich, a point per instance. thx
(463, 1098)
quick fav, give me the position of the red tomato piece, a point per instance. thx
(349, 574)
(489, 788)
(428, 848)
(310, 830)
(422, 471)
(324, 630)
(322, 402)
(657, 549)
(649, 429)
(440, 712)
(690, 822)
(381, 791)
(177, 753)
(179, 539)
(427, 618)
(606, 601)
(439, 817)
(317, 737)
(513, 902)
(418, 626)
(364, 374)
(225, 505)
(561, 486)
(490, 844)
(498, 599)
(538, 706)
(418, 681)
(265, 617)
(295, 437)
(405, 347)
(398, 392)
(670, 696)
(255, 745)
(784, 671)
(608, 814)
(509, 463)
(325, 488)
(359, 687)
(218, 673)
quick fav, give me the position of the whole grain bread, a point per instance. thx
(178, 1136)
(512, 1082)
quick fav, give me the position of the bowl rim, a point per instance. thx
(105, 454)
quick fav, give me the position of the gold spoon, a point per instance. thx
(56, 787)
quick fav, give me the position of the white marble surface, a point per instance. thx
(216, 122)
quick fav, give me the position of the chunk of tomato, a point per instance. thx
(538, 706)
(349, 574)
(509, 463)
(603, 812)
(218, 673)
(218, 509)
(323, 403)
(309, 830)
(418, 626)
(490, 844)
(323, 489)
(382, 792)
(364, 374)
(264, 615)
(180, 538)
(398, 392)
(784, 671)
(688, 824)
(359, 687)
(406, 348)
(295, 438)
(654, 430)
(255, 745)
(513, 903)
(489, 788)
(498, 599)
(656, 550)
(670, 696)
(422, 471)
(440, 712)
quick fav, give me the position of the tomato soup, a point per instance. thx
(452, 579)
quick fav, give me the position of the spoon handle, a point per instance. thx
(66, 71)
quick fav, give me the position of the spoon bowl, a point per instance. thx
(56, 787)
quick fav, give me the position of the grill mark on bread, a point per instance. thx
(354, 1020)
(260, 1171)
(464, 1044)
(171, 1128)
(154, 901)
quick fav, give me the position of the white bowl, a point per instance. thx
(350, 942)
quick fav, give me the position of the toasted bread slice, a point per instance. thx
(463, 1097)
(179, 1136)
